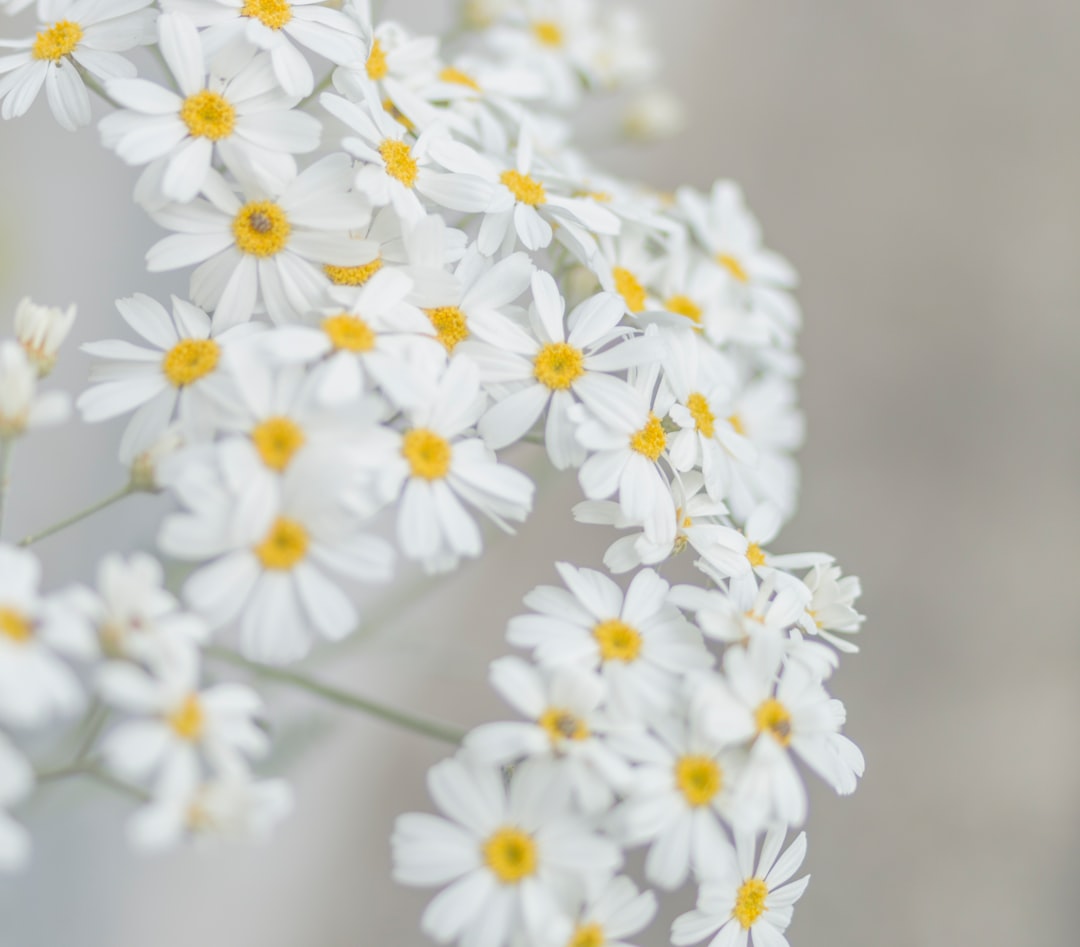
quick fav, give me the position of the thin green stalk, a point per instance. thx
(399, 718)
(7, 457)
(79, 517)
(94, 86)
(92, 769)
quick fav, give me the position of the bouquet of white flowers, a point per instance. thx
(400, 271)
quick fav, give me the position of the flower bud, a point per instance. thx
(41, 330)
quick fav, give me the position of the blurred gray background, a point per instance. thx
(919, 164)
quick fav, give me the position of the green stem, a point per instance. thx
(79, 517)
(7, 457)
(92, 769)
(94, 86)
(427, 728)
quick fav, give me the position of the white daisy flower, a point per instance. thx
(609, 915)
(181, 374)
(78, 34)
(229, 27)
(741, 905)
(507, 855)
(831, 611)
(16, 783)
(238, 116)
(629, 265)
(41, 330)
(268, 247)
(639, 643)
(22, 408)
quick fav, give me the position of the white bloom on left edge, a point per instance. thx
(270, 246)
(80, 33)
(21, 407)
(41, 330)
(506, 855)
(16, 781)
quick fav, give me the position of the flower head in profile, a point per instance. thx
(41, 330)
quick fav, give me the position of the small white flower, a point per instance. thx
(41, 330)
(831, 611)
(653, 116)
(610, 914)
(22, 408)
(16, 783)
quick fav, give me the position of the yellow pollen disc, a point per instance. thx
(750, 902)
(58, 41)
(588, 935)
(733, 266)
(618, 641)
(627, 286)
(271, 13)
(558, 365)
(14, 626)
(352, 275)
(449, 323)
(428, 454)
(562, 725)
(208, 115)
(773, 717)
(457, 77)
(684, 306)
(699, 779)
(189, 360)
(400, 163)
(349, 333)
(737, 425)
(548, 33)
(651, 440)
(284, 546)
(755, 554)
(277, 440)
(376, 62)
(511, 855)
(704, 419)
(525, 189)
(261, 229)
(187, 720)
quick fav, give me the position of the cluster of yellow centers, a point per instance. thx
(548, 33)
(376, 65)
(629, 287)
(208, 115)
(733, 266)
(558, 365)
(58, 41)
(400, 164)
(617, 640)
(684, 306)
(285, 544)
(510, 854)
(188, 719)
(273, 14)
(704, 420)
(699, 778)
(457, 77)
(450, 325)
(428, 454)
(352, 275)
(15, 626)
(651, 440)
(588, 935)
(563, 725)
(277, 440)
(189, 360)
(774, 718)
(750, 902)
(261, 229)
(349, 333)
(525, 189)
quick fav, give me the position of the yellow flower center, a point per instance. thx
(277, 440)
(271, 13)
(737, 425)
(58, 41)
(755, 554)
(651, 440)
(548, 33)
(704, 419)
(349, 333)
(588, 935)
(627, 286)
(750, 902)
(510, 854)
(457, 77)
(15, 626)
(558, 365)
(563, 725)
(208, 115)
(188, 719)
(399, 161)
(525, 189)
(733, 266)
(618, 641)
(376, 62)
(684, 306)
(449, 323)
(773, 717)
(352, 275)
(189, 360)
(699, 779)
(284, 546)
(428, 454)
(261, 229)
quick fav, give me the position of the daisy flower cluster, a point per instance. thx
(401, 267)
